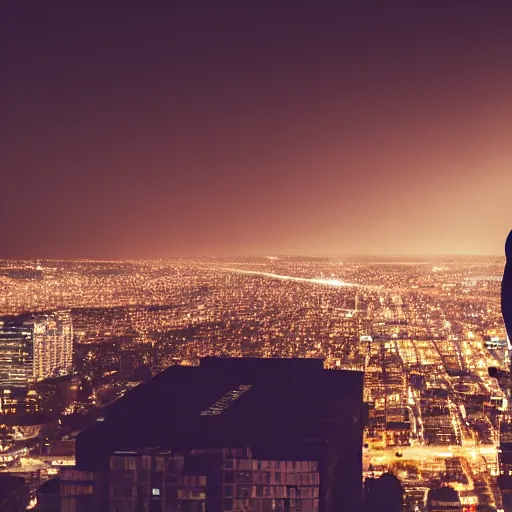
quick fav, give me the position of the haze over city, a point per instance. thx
(194, 129)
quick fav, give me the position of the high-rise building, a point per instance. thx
(35, 347)
(16, 355)
(53, 344)
(252, 434)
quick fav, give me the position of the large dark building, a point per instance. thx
(383, 494)
(289, 429)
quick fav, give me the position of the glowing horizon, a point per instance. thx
(327, 282)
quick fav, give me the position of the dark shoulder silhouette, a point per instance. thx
(506, 288)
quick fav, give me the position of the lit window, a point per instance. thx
(155, 492)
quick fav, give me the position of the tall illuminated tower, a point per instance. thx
(53, 344)
(16, 355)
(35, 348)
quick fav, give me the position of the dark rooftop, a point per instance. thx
(267, 404)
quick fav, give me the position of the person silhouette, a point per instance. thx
(506, 308)
(506, 289)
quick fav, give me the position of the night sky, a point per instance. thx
(158, 128)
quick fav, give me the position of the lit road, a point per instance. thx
(383, 456)
(35, 462)
(27, 465)
(327, 282)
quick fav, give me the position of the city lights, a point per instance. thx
(423, 335)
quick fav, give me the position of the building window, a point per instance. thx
(244, 492)
(243, 476)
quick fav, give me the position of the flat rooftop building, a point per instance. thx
(272, 409)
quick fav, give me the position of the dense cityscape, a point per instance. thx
(77, 336)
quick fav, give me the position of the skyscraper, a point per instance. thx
(53, 344)
(16, 355)
(253, 434)
(33, 348)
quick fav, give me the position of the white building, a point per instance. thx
(35, 348)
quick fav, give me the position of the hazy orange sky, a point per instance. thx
(156, 129)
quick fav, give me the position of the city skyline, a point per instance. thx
(153, 131)
(241, 359)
